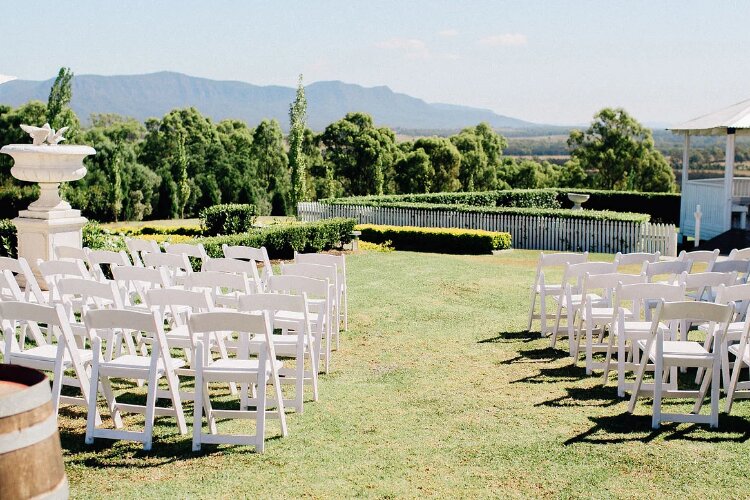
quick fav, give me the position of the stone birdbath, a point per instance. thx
(577, 199)
(49, 221)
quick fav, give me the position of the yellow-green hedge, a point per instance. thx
(436, 239)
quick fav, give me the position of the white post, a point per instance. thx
(685, 160)
(728, 179)
(698, 214)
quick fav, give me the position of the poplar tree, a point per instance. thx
(297, 159)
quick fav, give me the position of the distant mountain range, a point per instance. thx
(155, 94)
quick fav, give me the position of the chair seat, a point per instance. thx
(548, 289)
(49, 353)
(238, 365)
(675, 350)
(604, 312)
(735, 350)
(139, 362)
(734, 327)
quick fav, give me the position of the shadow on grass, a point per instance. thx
(624, 427)
(521, 335)
(585, 396)
(566, 373)
(544, 355)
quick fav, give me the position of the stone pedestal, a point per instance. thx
(39, 233)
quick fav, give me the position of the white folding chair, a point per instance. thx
(543, 287)
(24, 277)
(152, 367)
(257, 255)
(635, 258)
(53, 271)
(702, 286)
(631, 307)
(739, 266)
(134, 282)
(137, 246)
(708, 257)
(570, 299)
(598, 313)
(321, 272)
(177, 266)
(195, 251)
(339, 261)
(225, 288)
(736, 388)
(318, 310)
(235, 266)
(55, 357)
(667, 271)
(741, 254)
(289, 313)
(100, 261)
(9, 292)
(667, 354)
(256, 373)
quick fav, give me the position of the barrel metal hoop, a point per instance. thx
(28, 399)
(28, 436)
(59, 492)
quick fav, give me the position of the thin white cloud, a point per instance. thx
(448, 33)
(504, 40)
(412, 48)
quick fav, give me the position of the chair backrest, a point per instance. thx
(700, 286)
(217, 322)
(605, 284)
(195, 251)
(678, 314)
(63, 252)
(250, 253)
(707, 256)
(637, 296)
(22, 271)
(740, 266)
(327, 259)
(9, 289)
(80, 295)
(742, 253)
(670, 269)
(225, 288)
(297, 285)
(172, 302)
(235, 266)
(574, 273)
(739, 294)
(177, 266)
(317, 271)
(137, 246)
(117, 322)
(52, 317)
(54, 270)
(636, 258)
(556, 260)
(100, 260)
(135, 281)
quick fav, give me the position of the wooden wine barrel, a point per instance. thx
(31, 464)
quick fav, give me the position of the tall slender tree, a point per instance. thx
(182, 163)
(59, 99)
(297, 158)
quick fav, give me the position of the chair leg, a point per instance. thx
(638, 379)
(589, 348)
(733, 382)
(198, 403)
(531, 309)
(91, 416)
(715, 393)
(621, 360)
(260, 427)
(658, 380)
(150, 409)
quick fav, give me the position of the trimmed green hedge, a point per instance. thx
(437, 240)
(283, 240)
(230, 218)
(8, 239)
(526, 198)
(662, 207)
(14, 198)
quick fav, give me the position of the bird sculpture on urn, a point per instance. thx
(44, 134)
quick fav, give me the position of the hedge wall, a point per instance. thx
(283, 240)
(437, 240)
(228, 218)
(662, 207)
(15, 198)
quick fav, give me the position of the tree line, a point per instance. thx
(177, 165)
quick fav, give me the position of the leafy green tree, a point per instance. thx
(117, 183)
(445, 160)
(359, 152)
(271, 165)
(322, 183)
(297, 158)
(622, 153)
(59, 113)
(31, 113)
(414, 172)
(181, 160)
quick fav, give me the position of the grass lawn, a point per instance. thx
(437, 390)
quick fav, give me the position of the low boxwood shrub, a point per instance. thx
(528, 198)
(231, 218)
(97, 237)
(281, 241)
(8, 239)
(436, 239)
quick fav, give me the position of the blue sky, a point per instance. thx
(544, 61)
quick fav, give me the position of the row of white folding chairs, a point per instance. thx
(68, 352)
(617, 305)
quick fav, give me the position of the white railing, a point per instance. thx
(527, 231)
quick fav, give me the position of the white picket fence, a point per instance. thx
(528, 232)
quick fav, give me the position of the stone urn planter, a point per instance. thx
(49, 221)
(578, 199)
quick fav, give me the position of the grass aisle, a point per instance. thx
(436, 391)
